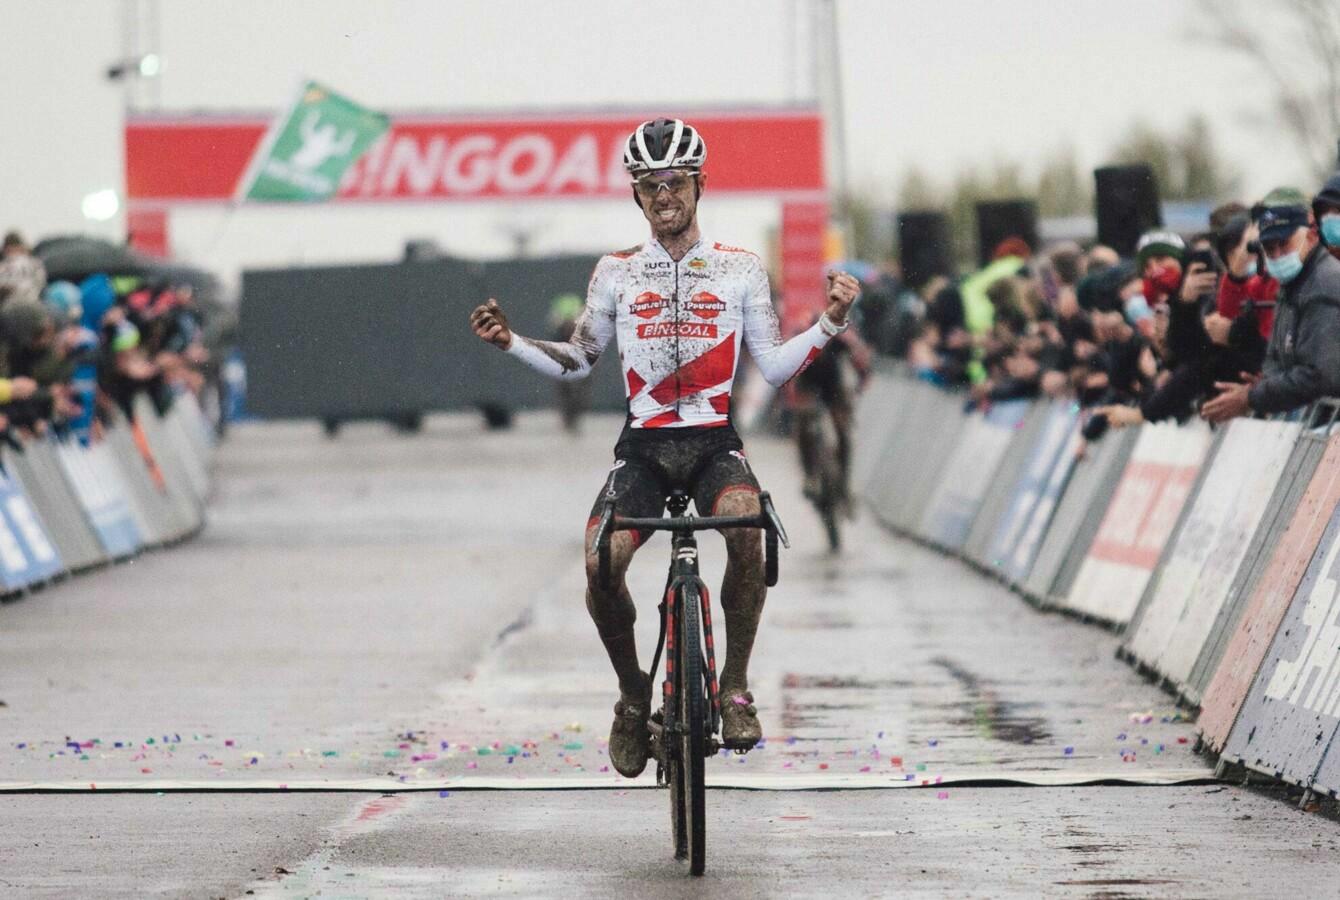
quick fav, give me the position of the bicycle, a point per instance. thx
(684, 730)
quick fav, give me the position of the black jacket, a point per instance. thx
(1303, 357)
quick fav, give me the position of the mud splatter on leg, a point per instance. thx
(613, 611)
(742, 590)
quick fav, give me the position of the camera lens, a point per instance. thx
(1254, 247)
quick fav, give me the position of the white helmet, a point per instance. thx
(664, 144)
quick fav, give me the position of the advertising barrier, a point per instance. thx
(1289, 720)
(1219, 552)
(65, 507)
(1191, 585)
(102, 495)
(1008, 472)
(899, 461)
(38, 474)
(1246, 651)
(1294, 480)
(1033, 496)
(1090, 481)
(969, 473)
(1141, 517)
(27, 554)
(882, 409)
(929, 453)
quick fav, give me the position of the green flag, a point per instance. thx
(308, 149)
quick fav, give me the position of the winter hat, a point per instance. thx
(1159, 243)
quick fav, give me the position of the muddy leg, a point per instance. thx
(742, 590)
(612, 610)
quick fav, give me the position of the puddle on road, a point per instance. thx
(792, 681)
(988, 714)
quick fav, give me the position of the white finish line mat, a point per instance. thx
(1159, 778)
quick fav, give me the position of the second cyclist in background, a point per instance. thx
(827, 389)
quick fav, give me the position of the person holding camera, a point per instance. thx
(1302, 361)
(1214, 320)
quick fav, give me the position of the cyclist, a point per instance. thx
(680, 306)
(824, 387)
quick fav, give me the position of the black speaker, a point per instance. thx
(1126, 202)
(925, 246)
(1001, 219)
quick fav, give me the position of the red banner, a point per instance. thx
(147, 231)
(440, 158)
(804, 283)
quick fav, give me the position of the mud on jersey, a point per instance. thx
(680, 327)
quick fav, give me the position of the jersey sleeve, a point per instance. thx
(571, 360)
(778, 361)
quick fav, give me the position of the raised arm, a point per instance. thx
(781, 361)
(568, 360)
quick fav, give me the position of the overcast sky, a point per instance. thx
(936, 85)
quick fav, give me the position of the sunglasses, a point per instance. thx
(648, 186)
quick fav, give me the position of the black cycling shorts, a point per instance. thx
(650, 463)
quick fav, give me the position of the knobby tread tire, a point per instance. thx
(693, 715)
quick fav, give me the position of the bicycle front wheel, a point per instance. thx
(692, 701)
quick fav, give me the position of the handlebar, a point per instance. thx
(767, 519)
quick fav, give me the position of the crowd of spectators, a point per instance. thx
(72, 354)
(1241, 319)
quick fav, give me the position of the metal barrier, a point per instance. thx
(882, 409)
(898, 461)
(977, 547)
(1246, 651)
(1191, 585)
(1092, 484)
(930, 451)
(101, 492)
(1033, 495)
(1296, 477)
(1218, 552)
(161, 450)
(1139, 520)
(1288, 722)
(969, 473)
(66, 508)
(38, 474)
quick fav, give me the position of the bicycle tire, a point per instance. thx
(693, 717)
(679, 833)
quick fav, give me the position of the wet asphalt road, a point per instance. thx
(406, 613)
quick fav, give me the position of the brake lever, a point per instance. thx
(774, 521)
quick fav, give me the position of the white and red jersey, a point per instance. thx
(680, 326)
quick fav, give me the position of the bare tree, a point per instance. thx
(1186, 166)
(1304, 74)
(1064, 189)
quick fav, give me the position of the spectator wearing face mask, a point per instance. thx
(1203, 349)
(1326, 209)
(1302, 361)
(1160, 257)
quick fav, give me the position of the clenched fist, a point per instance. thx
(490, 324)
(842, 292)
